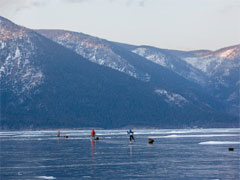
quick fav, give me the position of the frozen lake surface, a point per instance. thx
(193, 154)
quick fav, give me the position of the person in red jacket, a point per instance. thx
(93, 133)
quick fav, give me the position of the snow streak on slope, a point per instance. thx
(211, 62)
(172, 98)
(99, 53)
(17, 68)
(217, 68)
(205, 64)
(157, 57)
(16, 52)
(175, 64)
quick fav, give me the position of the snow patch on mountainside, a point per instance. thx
(216, 68)
(172, 97)
(232, 96)
(20, 75)
(221, 60)
(2, 44)
(171, 62)
(103, 55)
(206, 64)
(157, 58)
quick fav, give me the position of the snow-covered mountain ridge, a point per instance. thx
(209, 69)
(17, 49)
(99, 51)
(92, 48)
(193, 65)
(175, 64)
(218, 71)
(211, 62)
(229, 53)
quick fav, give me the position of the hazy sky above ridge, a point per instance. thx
(172, 24)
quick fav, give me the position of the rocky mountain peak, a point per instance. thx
(9, 30)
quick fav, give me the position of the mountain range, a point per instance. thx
(64, 79)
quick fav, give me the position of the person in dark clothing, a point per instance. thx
(58, 135)
(131, 137)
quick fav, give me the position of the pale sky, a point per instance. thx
(171, 24)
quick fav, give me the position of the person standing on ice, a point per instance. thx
(93, 133)
(131, 137)
(58, 134)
